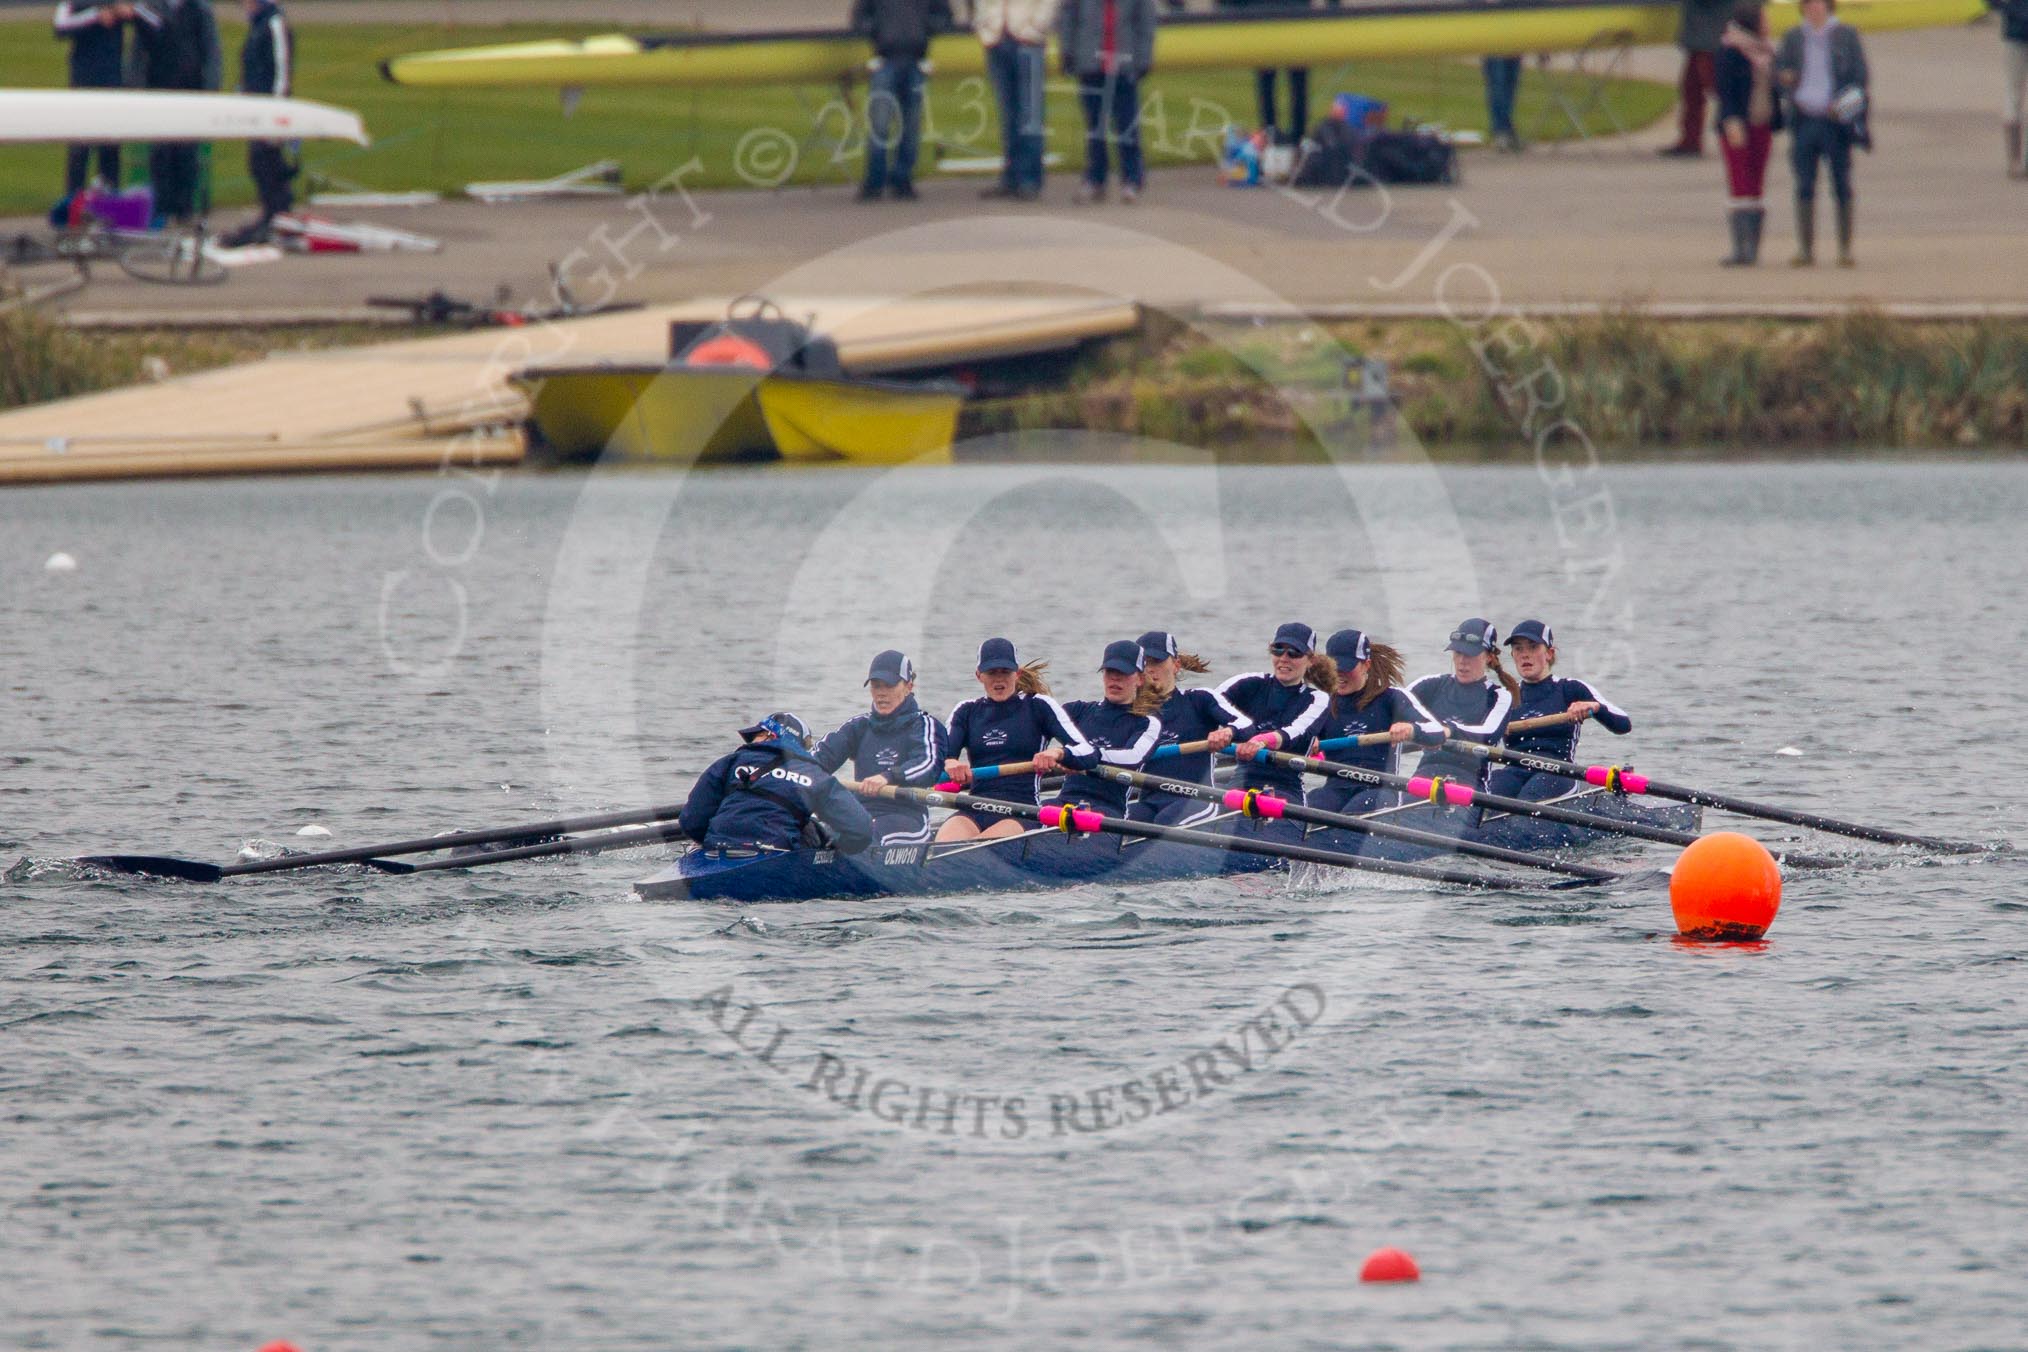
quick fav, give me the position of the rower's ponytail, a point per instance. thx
(1192, 662)
(1493, 665)
(1322, 672)
(1147, 700)
(1383, 670)
(1028, 680)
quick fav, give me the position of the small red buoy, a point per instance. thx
(1389, 1265)
(1725, 887)
(280, 1345)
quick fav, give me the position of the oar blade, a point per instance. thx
(152, 866)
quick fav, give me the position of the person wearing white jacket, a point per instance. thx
(1015, 34)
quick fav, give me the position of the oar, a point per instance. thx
(1462, 795)
(600, 844)
(981, 773)
(1626, 781)
(1070, 820)
(1256, 804)
(191, 870)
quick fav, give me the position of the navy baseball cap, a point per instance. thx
(1533, 629)
(1159, 645)
(1298, 636)
(997, 654)
(1125, 657)
(1348, 648)
(788, 727)
(890, 668)
(1474, 637)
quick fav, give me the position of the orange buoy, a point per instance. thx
(280, 1345)
(1725, 886)
(729, 349)
(1389, 1265)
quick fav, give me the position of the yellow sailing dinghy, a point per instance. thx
(753, 386)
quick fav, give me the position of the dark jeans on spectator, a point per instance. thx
(77, 166)
(273, 177)
(1017, 71)
(893, 95)
(173, 171)
(1299, 103)
(1112, 113)
(1503, 82)
(1821, 139)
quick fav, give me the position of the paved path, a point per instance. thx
(1939, 225)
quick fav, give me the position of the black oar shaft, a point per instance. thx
(361, 853)
(1210, 840)
(1387, 831)
(601, 844)
(1725, 802)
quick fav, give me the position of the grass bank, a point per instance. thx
(442, 140)
(1629, 382)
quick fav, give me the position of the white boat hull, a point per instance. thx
(47, 116)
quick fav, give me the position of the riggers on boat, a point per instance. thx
(1049, 858)
(755, 385)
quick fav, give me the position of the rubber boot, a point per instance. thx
(2016, 168)
(1806, 233)
(1756, 217)
(1735, 219)
(1845, 259)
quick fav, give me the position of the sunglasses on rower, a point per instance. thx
(1283, 650)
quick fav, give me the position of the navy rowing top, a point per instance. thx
(1552, 695)
(1343, 718)
(1001, 732)
(1478, 712)
(1122, 737)
(1293, 711)
(1189, 716)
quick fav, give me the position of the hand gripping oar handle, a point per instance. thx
(984, 772)
(1462, 795)
(200, 872)
(1252, 803)
(1626, 781)
(1085, 822)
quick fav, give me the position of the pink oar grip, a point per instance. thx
(1457, 795)
(950, 786)
(1080, 819)
(1634, 783)
(1602, 775)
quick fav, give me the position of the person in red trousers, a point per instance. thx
(1698, 33)
(1749, 115)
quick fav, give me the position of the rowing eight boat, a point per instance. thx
(1050, 859)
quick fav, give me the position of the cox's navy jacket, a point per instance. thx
(1293, 711)
(1189, 716)
(769, 794)
(1344, 718)
(1002, 732)
(1123, 738)
(1552, 695)
(1478, 712)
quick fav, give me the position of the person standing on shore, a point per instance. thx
(98, 60)
(267, 65)
(1502, 75)
(177, 49)
(1015, 34)
(1109, 45)
(1749, 114)
(1264, 82)
(1699, 31)
(1821, 68)
(900, 31)
(2014, 40)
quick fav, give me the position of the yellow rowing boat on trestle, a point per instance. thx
(1183, 42)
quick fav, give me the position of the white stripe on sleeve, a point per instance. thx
(1502, 701)
(1136, 754)
(278, 33)
(1067, 729)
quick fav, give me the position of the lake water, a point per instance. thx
(519, 1107)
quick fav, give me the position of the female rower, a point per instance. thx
(1285, 705)
(1187, 716)
(1473, 702)
(1369, 699)
(1122, 726)
(1014, 721)
(896, 743)
(1544, 693)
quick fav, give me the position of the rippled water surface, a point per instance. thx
(520, 1107)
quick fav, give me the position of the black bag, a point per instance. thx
(1330, 157)
(1411, 157)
